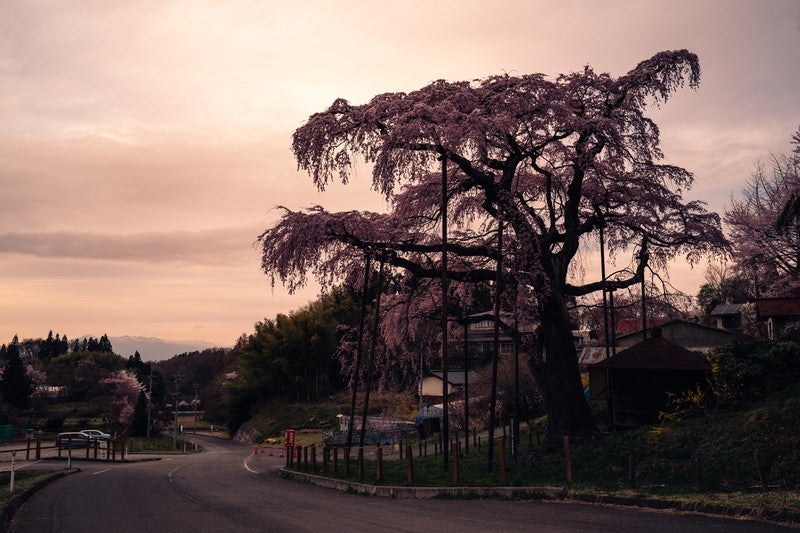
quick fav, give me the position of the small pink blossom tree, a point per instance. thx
(552, 159)
(37, 378)
(122, 390)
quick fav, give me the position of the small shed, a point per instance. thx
(727, 316)
(636, 382)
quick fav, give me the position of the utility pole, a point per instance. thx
(195, 402)
(176, 396)
(149, 401)
(445, 381)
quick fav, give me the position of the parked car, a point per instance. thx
(96, 434)
(74, 439)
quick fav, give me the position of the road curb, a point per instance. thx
(109, 461)
(393, 491)
(691, 507)
(539, 493)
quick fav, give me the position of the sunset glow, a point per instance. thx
(144, 145)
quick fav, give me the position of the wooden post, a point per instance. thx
(760, 469)
(325, 450)
(419, 449)
(501, 460)
(479, 444)
(305, 458)
(38, 449)
(401, 449)
(28, 450)
(454, 454)
(335, 461)
(360, 457)
(313, 458)
(698, 472)
(347, 461)
(379, 463)
(475, 437)
(632, 469)
(410, 463)
(567, 460)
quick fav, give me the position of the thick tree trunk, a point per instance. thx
(559, 377)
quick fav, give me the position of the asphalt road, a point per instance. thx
(227, 488)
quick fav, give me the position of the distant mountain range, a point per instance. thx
(155, 349)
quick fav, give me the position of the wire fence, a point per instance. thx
(416, 462)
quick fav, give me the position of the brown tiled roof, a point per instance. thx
(656, 353)
(768, 307)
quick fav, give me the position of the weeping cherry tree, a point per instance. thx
(548, 160)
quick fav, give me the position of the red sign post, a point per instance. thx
(289, 442)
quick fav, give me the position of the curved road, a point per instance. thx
(227, 488)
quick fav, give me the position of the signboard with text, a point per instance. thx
(289, 442)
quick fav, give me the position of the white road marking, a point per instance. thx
(101, 471)
(247, 467)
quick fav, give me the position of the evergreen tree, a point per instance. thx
(15, 385)
(104, 345)
(138, 427)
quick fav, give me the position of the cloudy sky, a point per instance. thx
(144, 144)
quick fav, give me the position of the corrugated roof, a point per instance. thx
(768, 307)
(656, 353)
(727, 310)
(677, 321)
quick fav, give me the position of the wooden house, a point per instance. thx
(686, 333)
(777, 313)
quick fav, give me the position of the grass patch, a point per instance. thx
(748, 458)
(23, 480)
(159, 444)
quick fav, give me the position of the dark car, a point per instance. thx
(73, 439)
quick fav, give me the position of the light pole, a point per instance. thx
(176, 397)
(445, 384)
(195, 402)
(359, 348)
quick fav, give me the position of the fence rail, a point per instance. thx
(413, 462)
(36, 449)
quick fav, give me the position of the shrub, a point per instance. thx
(751, 370)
